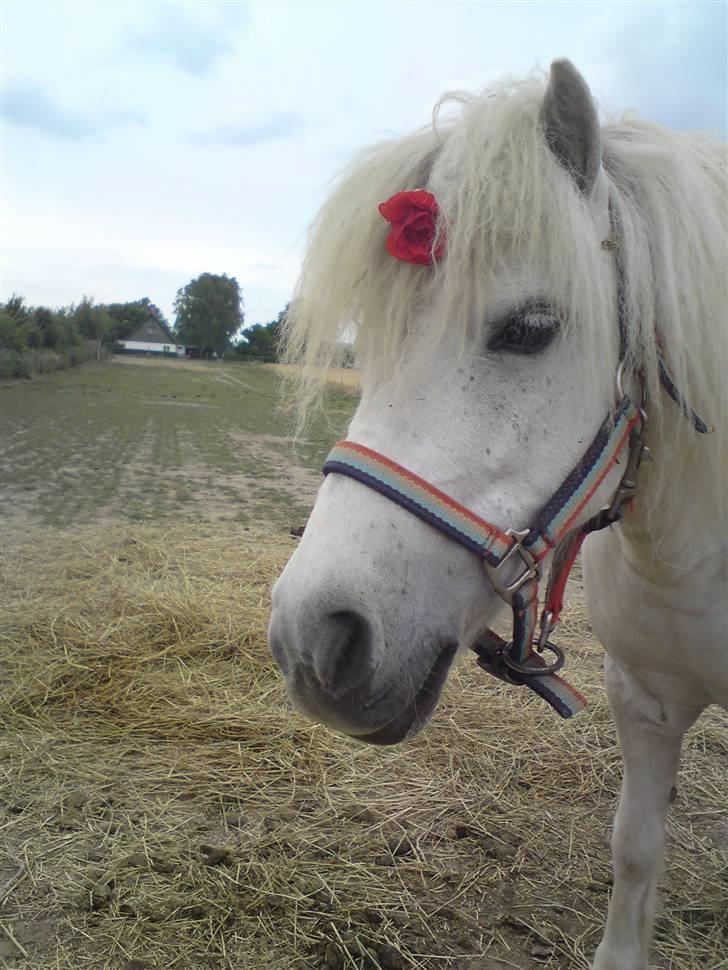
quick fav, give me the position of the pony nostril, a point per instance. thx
(348, 661)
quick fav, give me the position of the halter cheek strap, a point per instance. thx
(521, 660)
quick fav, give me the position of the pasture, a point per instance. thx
(145, 441)
(161, 805)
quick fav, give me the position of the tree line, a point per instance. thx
(36, 340)
(208, 316)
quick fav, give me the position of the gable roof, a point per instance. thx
(152, 331)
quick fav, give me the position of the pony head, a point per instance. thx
(488, 363)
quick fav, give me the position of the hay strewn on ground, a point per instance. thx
(161, 806)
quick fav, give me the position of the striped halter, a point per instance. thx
(519, 661)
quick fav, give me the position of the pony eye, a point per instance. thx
(526, 331)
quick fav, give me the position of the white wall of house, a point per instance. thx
(153, 348)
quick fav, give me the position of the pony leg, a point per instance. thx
(650, 735)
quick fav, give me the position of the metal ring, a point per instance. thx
(620, 389)
(643, 390)
(527, 671)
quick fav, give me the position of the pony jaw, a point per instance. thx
(420, 709)
(376, 714)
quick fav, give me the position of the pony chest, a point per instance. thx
(670, 625)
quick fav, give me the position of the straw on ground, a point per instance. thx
(168, 809)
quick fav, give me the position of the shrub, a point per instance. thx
(14, 364)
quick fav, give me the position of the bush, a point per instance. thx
(45, 361)
(11, 332)
(14, 364)
(39, 341)
(77, 354)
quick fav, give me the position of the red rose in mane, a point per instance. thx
(413, 216)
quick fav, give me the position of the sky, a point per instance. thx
(144, 143)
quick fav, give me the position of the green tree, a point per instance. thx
(18, 330)
(261, 340)
(93, 322)
(51, 331)
(16, 307)
(208, 312)
(11, 332)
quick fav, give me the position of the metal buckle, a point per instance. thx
(637, 451)
(532, 569)
(628, 483)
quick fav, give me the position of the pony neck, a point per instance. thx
(670, 526)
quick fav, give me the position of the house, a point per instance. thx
(152, 337)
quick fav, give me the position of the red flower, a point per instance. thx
(413, 216)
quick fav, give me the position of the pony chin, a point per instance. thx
(413, 712)
(418, 712)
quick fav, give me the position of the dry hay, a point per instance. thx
(162, 807)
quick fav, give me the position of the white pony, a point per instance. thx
(558, 253)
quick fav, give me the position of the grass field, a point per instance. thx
(161, 805)
(174, 440)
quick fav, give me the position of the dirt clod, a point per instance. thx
(390, 958)
(333, 960)
(216, 855)
(77, 799)
(70, 819)
(164, 865)
(542, 951)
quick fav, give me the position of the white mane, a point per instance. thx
(504, 201)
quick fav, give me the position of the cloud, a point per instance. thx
(192, 39)
(29, 106)
(673, 59)
(282, 125)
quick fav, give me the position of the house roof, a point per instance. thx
(152, 331)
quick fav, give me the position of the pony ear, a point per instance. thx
(570, 124)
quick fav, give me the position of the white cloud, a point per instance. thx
(29, 106)
(191, 37)
(243, 135)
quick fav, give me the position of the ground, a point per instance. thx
(148, 441)
(162, 806)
